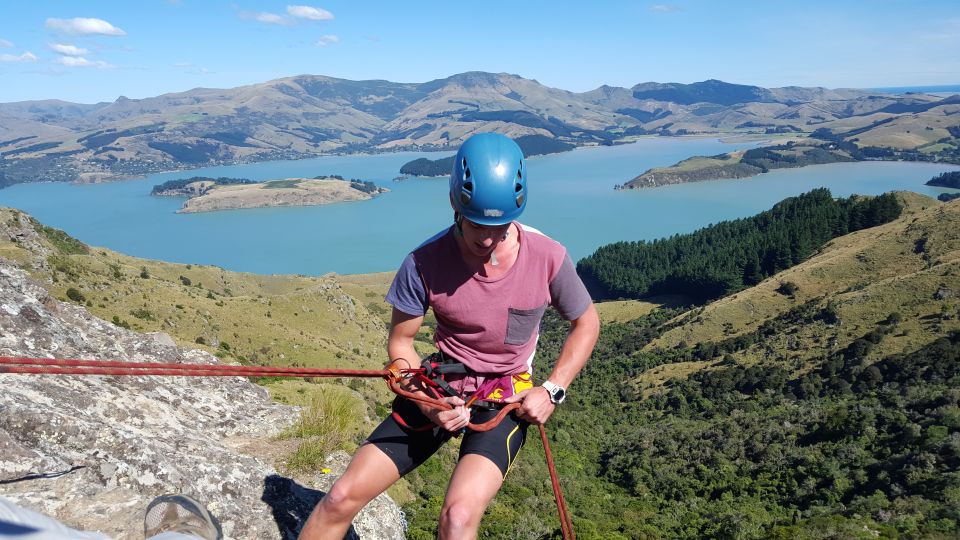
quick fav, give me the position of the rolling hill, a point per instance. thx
(310, 115)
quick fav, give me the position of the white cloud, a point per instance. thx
(25, 57)
(79, 61)
(327, 40)
(664, 8)
(5, 43)
(268, 18)
(69, 50)
(84, 26)
(310, 12)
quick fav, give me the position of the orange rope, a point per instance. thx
(566, 526)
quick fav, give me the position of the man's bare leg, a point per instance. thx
(475, 482)
(369, 474)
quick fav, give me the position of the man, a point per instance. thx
(488, 280)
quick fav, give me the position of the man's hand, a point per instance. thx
(452, 420)
(535, 405)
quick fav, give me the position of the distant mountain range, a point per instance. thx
(310, 115)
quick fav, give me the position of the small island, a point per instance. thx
(212, 194)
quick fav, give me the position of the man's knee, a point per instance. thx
(340, 502)
(457, 516)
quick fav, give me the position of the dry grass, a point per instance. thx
(652, 380)
(628, 310)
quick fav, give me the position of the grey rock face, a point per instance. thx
(92, 451)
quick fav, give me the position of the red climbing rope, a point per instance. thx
(58, 366)
(566, 526)
(68, 366)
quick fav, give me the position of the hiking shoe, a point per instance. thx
(182, 514)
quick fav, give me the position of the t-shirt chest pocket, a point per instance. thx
(522, 324)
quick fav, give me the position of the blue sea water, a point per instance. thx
(936, 89)
(571, 198)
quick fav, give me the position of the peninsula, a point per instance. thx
(818, 149)
(207, 195)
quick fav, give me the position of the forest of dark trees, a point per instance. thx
(949, 179)
(531, 145)
(731, 255)
(173, 185)
(947, 197)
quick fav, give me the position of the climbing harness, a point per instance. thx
(431, 377)
(428, 374)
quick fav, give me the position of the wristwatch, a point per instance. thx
(557, 392)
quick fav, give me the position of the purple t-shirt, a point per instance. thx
(489, 323)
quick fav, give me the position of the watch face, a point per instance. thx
(558, 395)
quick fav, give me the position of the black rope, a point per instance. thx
(37, 476)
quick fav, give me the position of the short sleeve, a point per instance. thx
(568, 294)
(407, 292)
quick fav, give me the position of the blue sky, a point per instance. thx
(94, 51)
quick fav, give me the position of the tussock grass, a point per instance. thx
(331, 419)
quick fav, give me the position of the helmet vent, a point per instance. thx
(466, 194)
(466, 174)
(518, 188)
(519, 200)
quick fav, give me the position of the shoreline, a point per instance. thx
(108, 177)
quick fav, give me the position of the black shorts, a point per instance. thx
(408, 448)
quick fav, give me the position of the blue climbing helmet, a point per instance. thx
(488, 184)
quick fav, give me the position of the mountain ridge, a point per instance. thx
(310, 115)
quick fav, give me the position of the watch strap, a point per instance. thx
(557, 393)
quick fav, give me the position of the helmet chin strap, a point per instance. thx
(458, 221)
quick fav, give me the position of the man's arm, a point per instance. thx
(403, 330)
(536, 406)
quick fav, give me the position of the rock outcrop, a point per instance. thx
(92, 451)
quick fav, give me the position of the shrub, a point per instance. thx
(788, 288)
(185, 280)
(200, 341)
(76, 295)
(143, 314)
